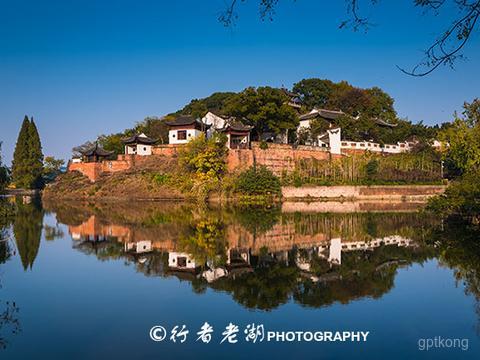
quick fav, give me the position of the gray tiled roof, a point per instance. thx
(323, 113)
(139, 139)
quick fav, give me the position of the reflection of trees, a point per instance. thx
(206, 242)
(9, 322)
(460, 250)
(361, 226)
(257, 219)
(272, 277)
(265, 288)
(109, 249)
(7, 212)
(363, 273)
(27, 229)
(53, 232)
(5, 250)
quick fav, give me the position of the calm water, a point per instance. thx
(88, 281)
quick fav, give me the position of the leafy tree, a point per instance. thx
(258, 181)
(52, 167)
(4, 175)
(113, 142)
(215, 103)
(204, 157)
(27, 167)
(155, 128)
(265, 108)
(463, 138)
(77, 150)
(314, 92)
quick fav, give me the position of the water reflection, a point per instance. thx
(27, 229)
(262, 257)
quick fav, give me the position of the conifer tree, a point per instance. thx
(35, 156)
(27, 163)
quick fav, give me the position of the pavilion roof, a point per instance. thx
(323, 113)
(384, 123)
(96, 150)
(184, 120)
(139, 139)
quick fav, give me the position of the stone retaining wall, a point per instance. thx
(391, 192)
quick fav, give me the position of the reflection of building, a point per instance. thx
(139, 247)
(181, 261)
(283, 243)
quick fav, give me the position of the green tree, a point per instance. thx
(265, 108)
(4, 176)
(27, 166)
(463, 138)
(155, 128)
(113, 142)
(204, 157)
(52, 167)
(35, 155)
(257, 181)
(215, 103)
(314, 92)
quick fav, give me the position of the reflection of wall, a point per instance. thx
(94, 228)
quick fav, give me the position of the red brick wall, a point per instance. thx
(165, 150)
(90, 170)
(277, 157)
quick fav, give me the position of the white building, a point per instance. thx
(214, 122)
(185, 128)
(139, 145)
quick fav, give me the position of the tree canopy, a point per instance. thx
(462, 154)
(4, 176)
(265, 108)
(324, 93)
(27, 166)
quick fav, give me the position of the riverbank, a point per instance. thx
(143, 186)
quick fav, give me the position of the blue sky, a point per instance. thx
(82, 68)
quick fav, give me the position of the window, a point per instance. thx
(181, 261)
(182, 134)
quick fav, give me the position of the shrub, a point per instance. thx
(204, 157)
(161, 179)
(371, 168)
(258, 181)
(461, 199)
